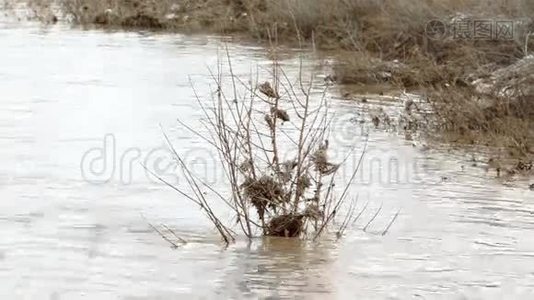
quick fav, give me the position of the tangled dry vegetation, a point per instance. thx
(272, 140)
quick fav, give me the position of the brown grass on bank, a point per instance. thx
(502, 124)
(372, 33)
(382, 27)
(385, 30)
(394, 47)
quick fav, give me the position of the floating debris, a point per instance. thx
(408, 106)
(330, 79)
(376, 121)
(524, 166)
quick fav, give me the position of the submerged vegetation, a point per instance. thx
(272, 140)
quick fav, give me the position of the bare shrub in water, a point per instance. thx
(252, 133)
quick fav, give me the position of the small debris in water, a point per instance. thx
(364, 100)
(376, 121)
(408, 106)
(524, 166)
(330, 79)
(532, 187)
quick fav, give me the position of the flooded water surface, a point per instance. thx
(80, 111)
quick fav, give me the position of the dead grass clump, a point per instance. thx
(264, 193)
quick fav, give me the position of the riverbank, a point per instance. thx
(445, 50)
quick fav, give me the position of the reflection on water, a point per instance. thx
(275, 267)
(62, 91)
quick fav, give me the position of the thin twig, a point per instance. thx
(391, 223)
(373, 218)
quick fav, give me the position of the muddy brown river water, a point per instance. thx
(79, 111)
